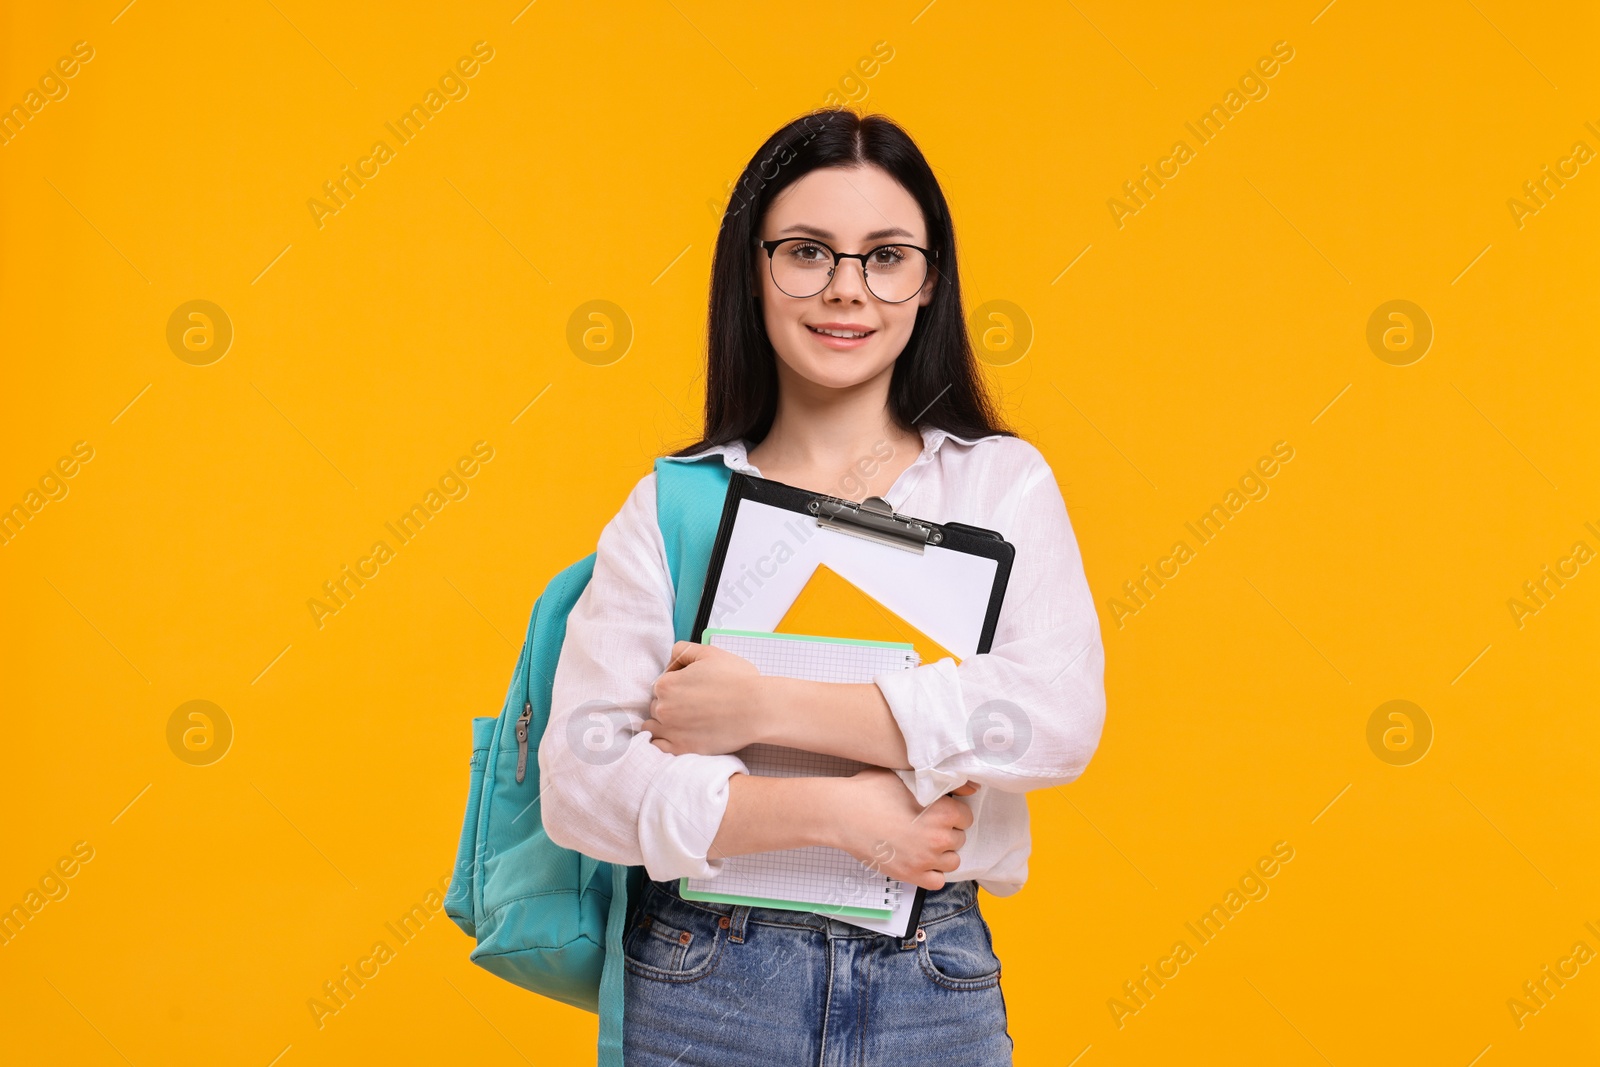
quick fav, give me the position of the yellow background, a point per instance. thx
(586, 163)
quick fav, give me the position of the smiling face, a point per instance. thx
(852, 209)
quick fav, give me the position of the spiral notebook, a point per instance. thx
(819, 878)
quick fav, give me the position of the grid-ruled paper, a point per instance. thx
(819, 877)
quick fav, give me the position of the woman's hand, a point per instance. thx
(881, 824)
(709, 701)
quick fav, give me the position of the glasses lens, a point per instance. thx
(802, 267)
(896, 272)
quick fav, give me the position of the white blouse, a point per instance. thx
(1025, 715)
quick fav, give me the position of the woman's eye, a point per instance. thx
(888, 256)
(806, 251)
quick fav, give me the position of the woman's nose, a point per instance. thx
(849, 280)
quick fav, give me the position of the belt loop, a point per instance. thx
(736, 922)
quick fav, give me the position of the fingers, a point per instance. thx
(684, 653)
(935, 878)
(951, 812)
(655, 696)
(655, 729)
(966, 790)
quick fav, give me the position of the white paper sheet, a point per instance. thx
(773, 551)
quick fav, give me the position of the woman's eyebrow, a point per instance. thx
(813, 231)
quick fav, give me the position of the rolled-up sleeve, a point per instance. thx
(1028, 713)
(606, 791)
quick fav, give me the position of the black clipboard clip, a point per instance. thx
(874, 520)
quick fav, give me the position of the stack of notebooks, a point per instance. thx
(819, 879)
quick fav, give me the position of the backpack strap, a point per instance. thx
(689, 500)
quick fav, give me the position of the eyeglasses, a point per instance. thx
(803, 267)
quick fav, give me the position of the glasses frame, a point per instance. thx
(770, 248)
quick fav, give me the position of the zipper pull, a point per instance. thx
(522, 739)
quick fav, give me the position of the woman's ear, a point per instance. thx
(926, 296)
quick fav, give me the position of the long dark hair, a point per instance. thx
(935, 381)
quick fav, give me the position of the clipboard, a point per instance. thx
(883, 542)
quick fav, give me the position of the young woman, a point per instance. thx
(838, 361)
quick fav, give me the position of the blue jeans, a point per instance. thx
(716, 985)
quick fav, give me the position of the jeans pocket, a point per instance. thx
(957, 952)
(670, 941)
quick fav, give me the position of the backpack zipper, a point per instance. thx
(522, 739)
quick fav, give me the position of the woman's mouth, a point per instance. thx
(841, 337)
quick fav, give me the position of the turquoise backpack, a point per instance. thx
(547, 918)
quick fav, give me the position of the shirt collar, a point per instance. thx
(735, 454)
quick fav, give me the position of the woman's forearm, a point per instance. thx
(769, 814)
(870, 815)
(848, 719)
